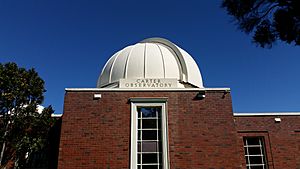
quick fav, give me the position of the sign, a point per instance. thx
(148, 83)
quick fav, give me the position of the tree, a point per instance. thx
(23, 130)
(267, 20)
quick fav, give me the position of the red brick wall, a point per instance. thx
(282, 139)
(96, 133)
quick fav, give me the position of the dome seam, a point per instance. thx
(112, 65)
(162, 57)
(103, 71)
(177, 59)
(127, 60)
(145, 66)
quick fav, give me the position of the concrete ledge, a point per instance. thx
(148, 99)
(268, 114)
(146, 90)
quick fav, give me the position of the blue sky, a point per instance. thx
(69, 41)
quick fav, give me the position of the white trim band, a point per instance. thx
(152, 90)
(268, 114)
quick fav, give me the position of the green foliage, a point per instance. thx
(23, 130)
(268, 20)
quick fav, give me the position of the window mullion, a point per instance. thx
(247, 147)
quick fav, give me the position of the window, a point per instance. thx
(255, 153)
(149, 136)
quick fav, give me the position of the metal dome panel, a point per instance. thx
(153, 58)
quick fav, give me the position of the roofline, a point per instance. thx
(144, 89)
(52, 115)
(267, 114)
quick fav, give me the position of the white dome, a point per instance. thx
(153, 58)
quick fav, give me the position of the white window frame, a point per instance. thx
(262, 154)
(149, 103)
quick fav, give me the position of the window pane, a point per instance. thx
(255, 167)
(149, 158)
(160, 158)
(148, 111)
(150, 146)
(159, 146)
(159, 124)
(149, 123)
(247, 161)
(150, 166)
(254, 150)
(253, 140)
(139, 158)
(139, 124)
(158, 109)
(139, 112)
(139, 146)
(159, 134)
(139, 134)
(255, 160)
(149, 135)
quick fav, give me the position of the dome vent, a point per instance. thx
(153, 58)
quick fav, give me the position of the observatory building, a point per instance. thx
(150, 110)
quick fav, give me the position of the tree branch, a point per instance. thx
(268, 11)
